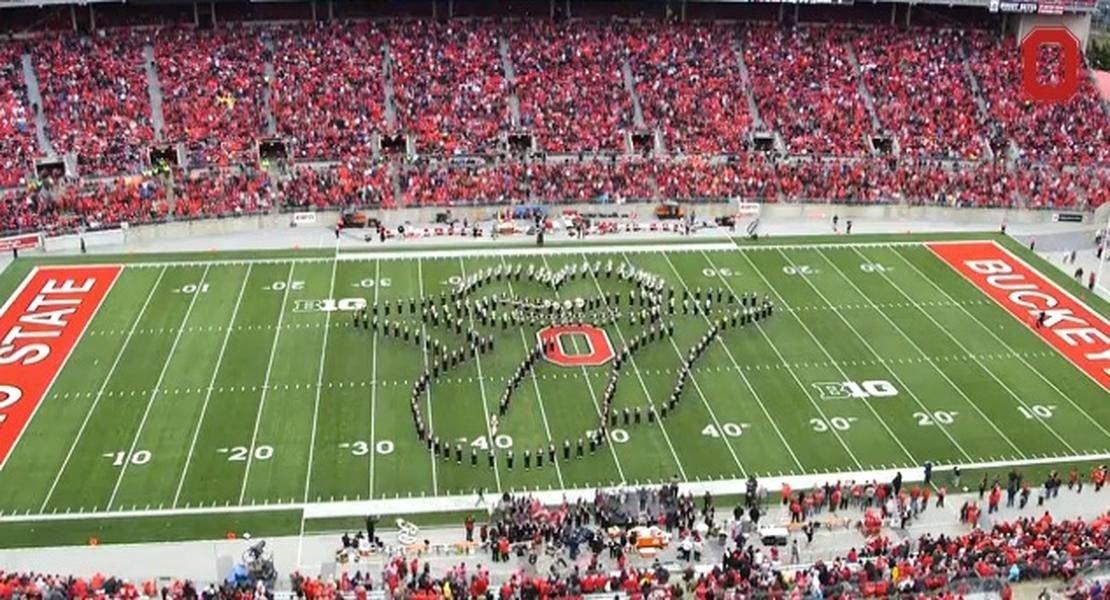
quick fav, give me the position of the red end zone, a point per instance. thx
(1070, 326)
(39, 327)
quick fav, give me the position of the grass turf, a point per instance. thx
(233, 396)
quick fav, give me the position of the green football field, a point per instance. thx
(229, 383)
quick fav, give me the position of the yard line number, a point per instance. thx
(192, 288)
(799, 270)
(241, 453)
(362, 447)
(279, 286)
(837, 423)
(1038, 411)
(937, 417)
(729, 429)
(139, 457)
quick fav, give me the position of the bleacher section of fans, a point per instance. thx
(617, 110)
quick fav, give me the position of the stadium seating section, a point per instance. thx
(590, 94)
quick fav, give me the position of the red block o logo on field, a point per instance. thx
(1031, 44)
(598, 348)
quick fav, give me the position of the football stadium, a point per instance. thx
(554, 299)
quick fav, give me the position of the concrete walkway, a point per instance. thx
(34, 95)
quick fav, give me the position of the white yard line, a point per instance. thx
(785, 364)
(211, 386)
(319, 389)
(597, 406)
(157, 386)
(835, 362)
(1011, 349)
(536, 385)
(486, 414)
(740, 372)
(427, 389)
(640, 378)
(100, 392)
(374, 379)
(266, 383)
(921, 352)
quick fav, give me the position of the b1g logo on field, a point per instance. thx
(577, 345)
(843, 390)
(1031, 44)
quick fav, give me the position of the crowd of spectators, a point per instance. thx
(921, 91)
(354, 184)
(686, 79)
(1074, 132)
(450, 90)
(806, 88)
(17, 128)
(213, 84)
(329, 97)
(94, 92)
(329, 88)
(569, 83)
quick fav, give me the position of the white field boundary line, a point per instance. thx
(921, 352)
(520, 250)
(266, 383)
(725, 439)
(374, 382)
(62, 367)
(836, 363)
(486, 414)
(597, 405)
(100, 392)
(1006, 345)
(158, 386)
(211, 387)
(782, 359)
(410, 505)
(640, 378)
(536, 385)
(740, 372)
(427, 367)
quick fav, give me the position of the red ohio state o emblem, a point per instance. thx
(565, 352)
(1065, 88)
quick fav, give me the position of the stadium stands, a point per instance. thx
(96, 100)
(329, 89)
(213, 84)
(331, 97)
(17, 141)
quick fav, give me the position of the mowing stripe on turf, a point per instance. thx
(1032, 369)
(835, 362)
(740, 373)
(482, 389)
(319, 387)
(266, 384)
(157, 385)
(922, 353)
(374, 380)
(785, 363)
(100, 392)
(725, 439)
(211, 387)
(536, 385)
(427, 367)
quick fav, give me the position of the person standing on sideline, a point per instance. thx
(795, 554)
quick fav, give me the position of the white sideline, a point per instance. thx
(416, 505)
